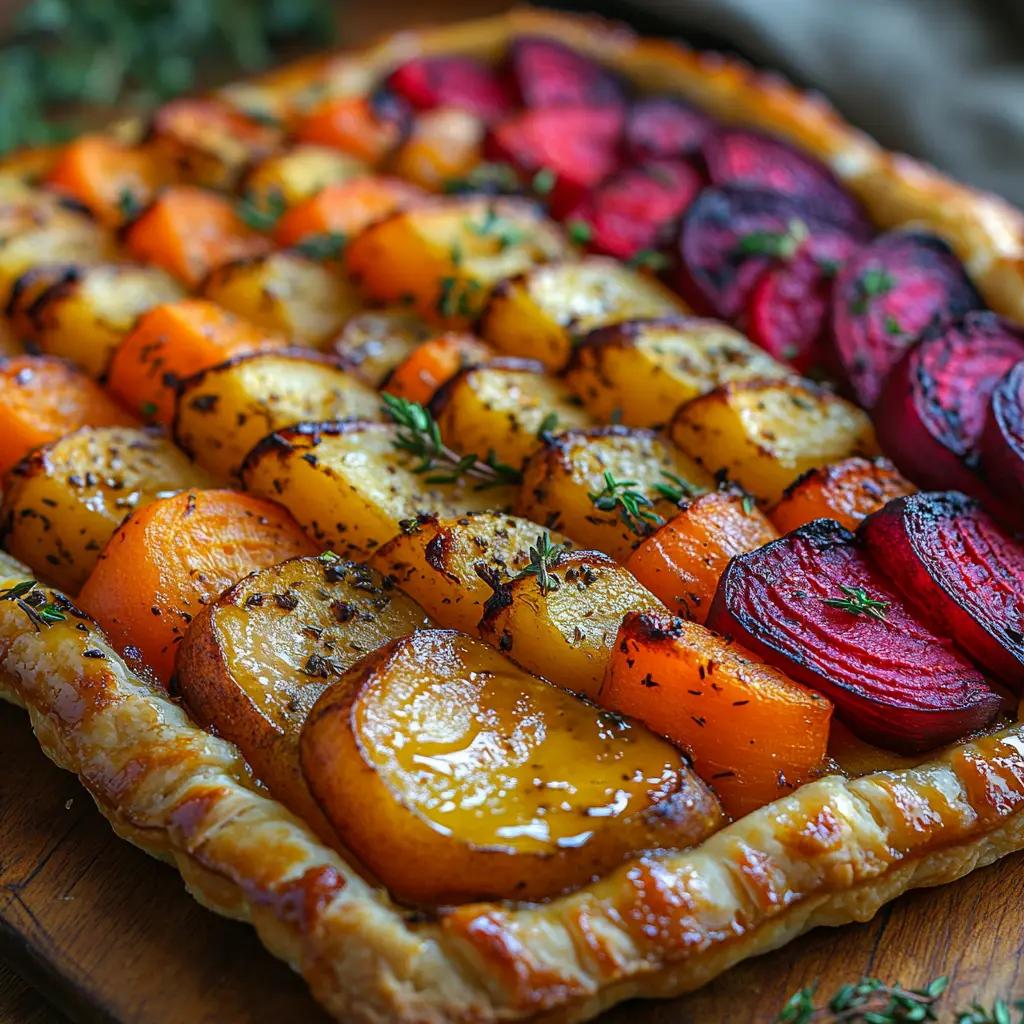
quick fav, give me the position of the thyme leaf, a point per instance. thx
(782, 245)
(544, 556)
(261, 212)
(634, 506)
(322, 247)
(857, 602)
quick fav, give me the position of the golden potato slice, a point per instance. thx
(561, 624)
(504, 405)
(351, 487)
(541, 313)
(643, 370)
(66, 500)
(455, 776)
(299, 173)
(444, 145)
(435, 561)
(374, 342)
(285, 293)
(444, 257)
(83, 313)
(764, 434)
(222, 412)
(607, 487)
(254, 662)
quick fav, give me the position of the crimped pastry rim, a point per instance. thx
(833, 852)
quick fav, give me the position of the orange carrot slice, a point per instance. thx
(353, 125)
(435, 361)
(174, 556)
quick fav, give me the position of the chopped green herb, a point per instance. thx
(873, 282)
(149, 409)
(748, 504)
(857, 602)
(544, 181)
(634, 506)
(677, 489)
(457, 296)
(261, 212)
(503, 229)
(548, 424)
(579, 231)
(485, 177)
(33, 603)
(615, 417)
(544, 556)
(129, 205)
(892, 326)
(783, 245)
(322, 247)
(649, 259)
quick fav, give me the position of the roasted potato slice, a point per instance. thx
(562, 624)
(299, 173)
(253, 662)
(444, 257)
(427, 758)
(541, 313)
(438, 562)
(374, 342)
(444, 145)
(222, 412)
(66, 500)
(645, 369)
(351, 487)
(764, 434)
(285, 293)
(504, 405)
(606, 487)
(83, 312)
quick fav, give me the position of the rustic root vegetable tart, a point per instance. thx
(453, 484)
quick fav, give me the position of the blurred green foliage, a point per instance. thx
(69, 62)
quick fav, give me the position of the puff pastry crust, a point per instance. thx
(833, 852)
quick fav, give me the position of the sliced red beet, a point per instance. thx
(638, 209)
(893, 290)
(749, 159)
(663, 126)
(815, 606)
(960, 569)
(547, 73)
(460, 82)
(1002, 441)
(575, 147)
(931, 412)
(731, 236)
(788, 313)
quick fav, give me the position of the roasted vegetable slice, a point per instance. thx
(1002, 439)
(560, 618)
(459, 83)
(294, 175)
(430, 364)
(66, 500)
(665, 126)
(254, 662)
(548, 73)
(814, 605)
(443, 146)
(222, 412)
(542, 313)
(607, 487)
(373, 343)
(962, 572)
(444, 563)
(642, 371)
(845, 491)
(753, 734)
(764, 434)
(367, 127)
(682, 562)
(427, 757)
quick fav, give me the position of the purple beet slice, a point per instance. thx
(731, 236)
(895, 288)
(637, 210)
(815, 606)
(663, 126)
(931, 412)
(459, 82)
(961, 571)
(547, 73)
(1002, 441)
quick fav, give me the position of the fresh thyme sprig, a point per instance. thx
(261, 212)
(503, 230)
(873, 282)
(676, 489)
(782, 245)
(420, 436)
(867, 1002)
(1001, 1013)
(857, 602)
(544, 556)
(33, 603)
(634, 506)
(322, 247)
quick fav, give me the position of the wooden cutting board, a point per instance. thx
(107, 934)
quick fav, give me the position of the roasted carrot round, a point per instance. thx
(171, 342)
(352, 124)
(435, 361)
(43, 398)
(171, 558)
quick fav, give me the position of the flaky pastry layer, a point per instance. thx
(831, 853)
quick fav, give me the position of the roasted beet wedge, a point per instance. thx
(731, 236)
(960, 569)
(1002, 441)
(931, 412)
(638, 209)
(884, 299)
(813, 605)
(663, 126)
(576, 148)
(549, 74)
(459, 82)
(788, 313)
(736, 156)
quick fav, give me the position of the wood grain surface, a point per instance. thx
(109, 934)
